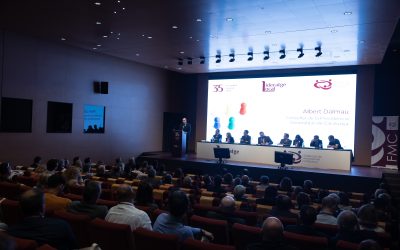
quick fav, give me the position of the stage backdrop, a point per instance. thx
(385, 133)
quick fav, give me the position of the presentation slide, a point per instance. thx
(93, 119)
(298, 105)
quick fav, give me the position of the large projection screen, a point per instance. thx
(306, 105)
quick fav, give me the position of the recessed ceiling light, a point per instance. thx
(190, 37)
(334, 31)
(268, 32)
(182, 52)
(179, 68)
(143, 35)
(199, 20)
(94, 48)
(97, 3)
(98, 45)
(118, 1)
(197, 40)
(117, 38)
(63, 38)
(115, 12)
(229, 19)
(174, 27)
(149, 37)
(119, 34)
(137, 54)
(347, 13)
(98, 22)
(123, 8)
(165, 66)
(111, 32)
(105, 36)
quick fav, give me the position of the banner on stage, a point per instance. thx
(385, 142)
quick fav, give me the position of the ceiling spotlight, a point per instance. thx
(232, 56)
(347, 13)
(202, 59)
(229, 19)
(250, 54)
(266, 55)
(218, 58)
(319, 53)
(63, 38)
(282, 51)
(189, 61)
(97, 3)
(180, 62)
(301, 52)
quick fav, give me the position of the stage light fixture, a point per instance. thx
(218, 58)
(180, 62)
(250, 54)
(266, 55)
(301, 52)
(202, 59)
(232, 56)
(282, 51)
(189, 61)
(319, 53)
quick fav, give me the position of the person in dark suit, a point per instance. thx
(217, 137)
(286, 142)
(246, 138)
(282, 207)
(187, 129)
(307, 218)
(334, 143)
(298, 142)
(226, 211)
(316, 142)
(55, 232)
(229, 139)
(264, 140)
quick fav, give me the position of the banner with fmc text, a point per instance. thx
(385, 142)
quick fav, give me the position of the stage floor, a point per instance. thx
(359, 178)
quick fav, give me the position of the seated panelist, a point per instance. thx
(246, 138)
(286, 142)
(316, 142)
(217, 137)
(264, 140)
(229, 139)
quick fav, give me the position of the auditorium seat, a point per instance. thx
(204, 192)
(249, 217)
(11, 212)
(159, 194)
(207, 201)
(110, 236)
(330, 230)
(73, 197)
(218, 228)
(78, 223)
(46, 247)
(149, 240)
(108, 203)
(243, 235)
(27, 180)
(345, 245)
(76, 189)
(306, 242)
(106, 194)
(155, 214)
(11, 191)
(191, 244)
(287, 221)
(263, 210)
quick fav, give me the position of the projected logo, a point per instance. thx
(296, 156)
(271, 87)
(323, 84)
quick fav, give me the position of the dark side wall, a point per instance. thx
(44, 71)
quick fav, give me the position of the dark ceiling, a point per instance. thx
(160, 32)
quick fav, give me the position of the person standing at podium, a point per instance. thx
(186, 129)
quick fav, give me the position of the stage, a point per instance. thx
(358, 179)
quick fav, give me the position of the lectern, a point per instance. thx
(178, 143)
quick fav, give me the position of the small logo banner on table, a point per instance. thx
(385, 142)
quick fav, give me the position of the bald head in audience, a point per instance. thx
(32, 202)
(272, 229)
(347, 221)
(125, 194)
(369, 245)
(227, 204)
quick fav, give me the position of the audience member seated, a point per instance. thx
(344, 201)
(172, 222)
(228, 179)
(286, 185)
(307, 188)
(249, 188)
(5, 172)
(87, 166)
(302, 199)
(349, 229)
(37, 161)
(269, 198)
(369, 245)
(367, 218)
(52, 166)
(307, 218)
(125, 212)
(225, 211)
(382, 206)
(6, 242)
(77, 162)
(167, 179)
(264, 183)
(327, 213)
(120, 165)
(322, 193)
(151, 179)
(73, 177)
(272, 236)
(55, 187)
(217, 188)
(282, 207)
(88, 206)
(239, 193)
(57, 233)
(144, 196)
(207, 182)
(129, 167)
(295, 192)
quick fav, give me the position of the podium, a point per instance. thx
(178, 142)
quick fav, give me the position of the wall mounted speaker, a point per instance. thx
(96, 87)
(104, 87)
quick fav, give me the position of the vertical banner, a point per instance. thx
(384, 150)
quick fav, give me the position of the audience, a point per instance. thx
(246, 183)
(326, 215)
(272, 236)
(55, 187)
(172, 222)
(125, 212)
(269, 196)
(282, 207)
(5, 171)
(57, 233)
(367, 218)
(302, 199)
(226, 211)
(144, 195)
(286, 185)
(217, 188)
(151, 178)
(369, 245)
(88, 205)
(307, 218)
(264, 182)
(239, 193)
(36, 162)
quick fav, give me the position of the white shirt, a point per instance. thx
(127, 213)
